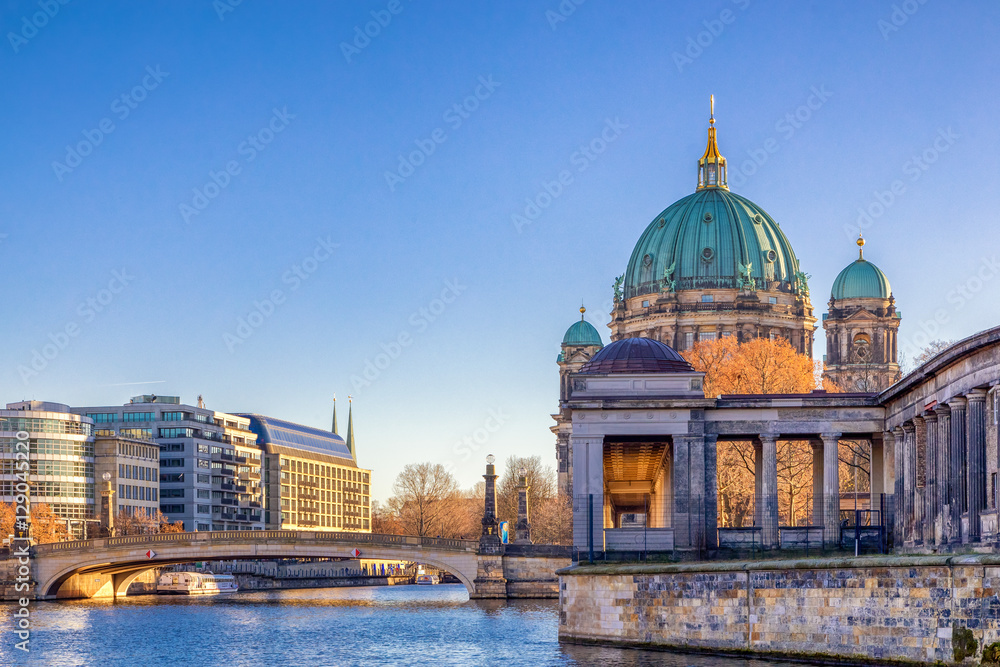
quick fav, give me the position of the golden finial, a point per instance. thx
(711, 102)
(861, 246)
(712, 166)
(582, 311)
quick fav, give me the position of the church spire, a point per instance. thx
(350, 429)
(335, 415)
(712, 166)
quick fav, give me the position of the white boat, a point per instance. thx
(428, 579)
(196, 583)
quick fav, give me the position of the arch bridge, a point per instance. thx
(106, 567)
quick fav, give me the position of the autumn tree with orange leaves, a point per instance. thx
(759, 366)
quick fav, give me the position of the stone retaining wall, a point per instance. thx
(864, 610)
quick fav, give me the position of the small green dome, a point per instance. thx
(582, 333)
(861, 280)
(702, 241)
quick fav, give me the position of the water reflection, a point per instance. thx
(395, 625)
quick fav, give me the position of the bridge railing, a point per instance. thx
(216, 537)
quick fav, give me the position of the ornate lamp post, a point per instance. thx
(522, 531)
(107, 504)
(489, 542)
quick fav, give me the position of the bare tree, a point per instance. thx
(423, 495)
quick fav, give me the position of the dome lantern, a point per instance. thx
(712, 166)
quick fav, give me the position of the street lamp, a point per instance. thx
(107, 504)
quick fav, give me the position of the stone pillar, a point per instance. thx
(817, 499)
(898, 496)
(682, 501)
(758, 504)
(489, 541)
(876, 472)
(889, 480)
(956, 474)
(831, 488)
(909, 481)
(522, 530)
(711, 492)
(696, 454)
(943, 520)
(930, 478)
(920, 468)
(769, 490)
(588, 483)
(977, 460)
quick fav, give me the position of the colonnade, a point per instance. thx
(941, 486)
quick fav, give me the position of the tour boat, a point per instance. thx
(196, 583)
(428, 579)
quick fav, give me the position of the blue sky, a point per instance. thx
(245, 171)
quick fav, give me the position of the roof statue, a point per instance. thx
(618, 287)
(745, 280)
(802, 283)
(669, 284)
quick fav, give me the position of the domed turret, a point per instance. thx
(637, 355)
(861, 280)
(582, 333)
(861, 327)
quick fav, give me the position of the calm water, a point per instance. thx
(398, 625)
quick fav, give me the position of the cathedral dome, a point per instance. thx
(701, 242)
(861, 280)
(637, 355)
(582, 333)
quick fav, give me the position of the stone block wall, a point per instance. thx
(863, 610)
(533, 577)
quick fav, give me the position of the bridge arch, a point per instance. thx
(124, 559)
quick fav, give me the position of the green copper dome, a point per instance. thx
(704, 241)
(861, 280)
(582, 333)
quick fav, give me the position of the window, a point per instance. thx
(172, 463)
(137, 433)
(176, 432)
(706, 335)
(204, 479)
(204, 463)
(172, 478)
(202, 449)
(707, 298)
(139, 417)
(204, 509)
(172, 493)
(173, 416)
(172, 509)
(103, 417)
(688, 340)
(772, 299)
(205, 494)
(645, 304)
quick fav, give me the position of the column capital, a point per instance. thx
(942, 410)
(916, 421)
(976, 396)
(712, 438)
(909, 428)
(830, 436)
(930, 417)
(898, 431)
(768, 437)
(888, 435)
(957, 403)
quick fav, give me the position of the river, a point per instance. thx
(390, 625)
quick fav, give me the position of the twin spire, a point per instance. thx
(350, 424)
(712, 166)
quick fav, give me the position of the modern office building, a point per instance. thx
(203, 454)
(134, 466)
(311, 477)
(61, 458)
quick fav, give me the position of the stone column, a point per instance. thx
(831, 488)
(889, 480)
(588, 480)
(758, 504)
(944, 473)
(930, 478)
(956, 473)
(876, 473)
(920, 468)
(489, 541)
(689, 491)
(696, 470)
(522, 530)
(909, 481)
(817, 499)
(769, 490)
(711, 492)
(898, 496)
(977, 460)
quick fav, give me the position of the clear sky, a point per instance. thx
(171, 169)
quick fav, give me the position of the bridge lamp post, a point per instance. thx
(522, 531)
(107, 504)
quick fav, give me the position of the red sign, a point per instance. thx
(356, 553)
(150, 554)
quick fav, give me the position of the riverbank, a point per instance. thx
(877, 610)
